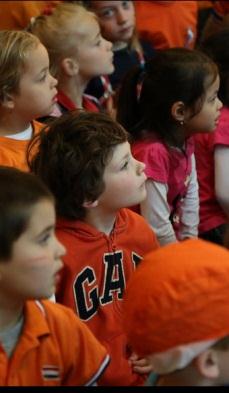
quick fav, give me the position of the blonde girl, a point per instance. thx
(77, 53)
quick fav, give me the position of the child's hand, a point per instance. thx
(140, 365)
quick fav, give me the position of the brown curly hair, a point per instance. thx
(70, 156)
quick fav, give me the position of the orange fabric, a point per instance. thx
(53, 341)
(167, 24)
(16, 15)
(13, 152)
(96, 269)
(178, 295)
(204, 4)
(221, 7)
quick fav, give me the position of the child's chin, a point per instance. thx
(143, 197)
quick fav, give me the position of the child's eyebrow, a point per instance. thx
(105, 7)
(44, 70)
(47, 229)
(97, 35)
(127, 155)
(215, 93)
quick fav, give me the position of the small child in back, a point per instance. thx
(177, 313)
(212, 152)
(77, 53)
(163, 106)
(85, 160)
(27, 91)
(117, 22)
(41, 343)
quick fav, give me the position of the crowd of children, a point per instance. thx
(125, 139)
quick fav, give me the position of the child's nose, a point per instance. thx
(121, 17)
(54, 81)
(60, 249)
(220, 104)
(141, 166)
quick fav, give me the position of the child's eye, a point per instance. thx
(44, 239)
(213, 99)
(98, 43)
(126, 4)
(125, 166)
(42, 79)
(108, 13)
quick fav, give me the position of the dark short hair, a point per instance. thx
(175, 74)
(20, 191)
(216, 46)
(72, 153)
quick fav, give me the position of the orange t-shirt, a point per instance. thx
(167, 23)
(13, 151)
(16, 15)
(54, 349)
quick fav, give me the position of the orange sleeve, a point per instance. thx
(88, 348)
(84, 358)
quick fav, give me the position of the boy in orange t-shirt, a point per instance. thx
(41, 343)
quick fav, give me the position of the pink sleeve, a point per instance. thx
(221, 136)
(155, 157)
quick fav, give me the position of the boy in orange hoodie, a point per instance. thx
(86, 161)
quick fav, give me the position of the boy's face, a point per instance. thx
(32, 271)
(124, 179)
(94, 54)
(37, 88)
(116, 18)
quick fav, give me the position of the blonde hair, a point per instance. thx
(61, 31)
(14, 52)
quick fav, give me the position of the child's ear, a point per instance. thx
(90, 204)
(207, 364)
(178, 111)
(70, 66)
(7, 101)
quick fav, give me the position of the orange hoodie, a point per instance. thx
(97, 268)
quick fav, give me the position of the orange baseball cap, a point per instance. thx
(178, 295)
